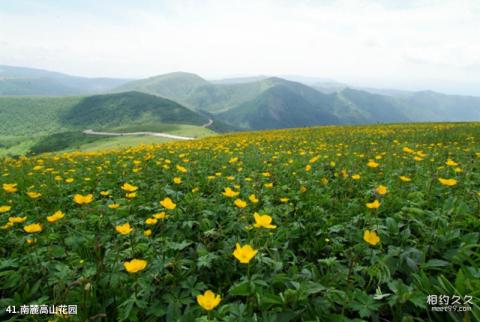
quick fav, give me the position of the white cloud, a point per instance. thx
(344, 40)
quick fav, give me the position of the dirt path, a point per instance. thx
(210, 121)
(164, 135)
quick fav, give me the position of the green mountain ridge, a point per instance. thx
(252, 105)
(26, 121)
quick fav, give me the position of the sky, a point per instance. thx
(403, 44)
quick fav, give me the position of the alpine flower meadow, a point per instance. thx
(332, 223)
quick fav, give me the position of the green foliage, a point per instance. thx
(63, 141)
(103, 111)
(314, 266)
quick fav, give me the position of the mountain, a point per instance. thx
(268, 102)
(175, 86)
(21, 81)
(277, 107)
(112, 110)
(55, 122)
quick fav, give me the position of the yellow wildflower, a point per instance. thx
(10, 187)
(447, 182)
(240, 203)
(245, 253)
(34, 195)
(33, 228)
(168, 203)
(124, 229)
(56, 216)
(263, 221)
(373, 205)
(371, 237)
(230, 193)
(208, 300)
(135, 265)
(129, 188)
(381, 190)
(253, 198)
(83, 200)
(4, 209)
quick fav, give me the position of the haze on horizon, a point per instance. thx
(409, 44)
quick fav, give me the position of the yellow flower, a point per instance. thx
(4, 209)
(113, 206)
(303, 189)
(356, 177)
(69, 180)
(129, 188)
(233, 160)
(372, 164)
(83, 200)
(263, 221)
(56, 216)
(308, 167)
(131, 195)
(268, 185)
(371, 237)
(408, 150)
(135, 265)
(147, 232)
(324, 181)
(33, 228)
(168, 203)
(373, 205)
(284, 200)
(160, 215)
(451, 163)
(253, 198)
(405, 179)
(10, 187)
(177, 180)
(33, 194)
(209, 300)
(240, 203)
(181, 169)
(124, 229)
(151, 221)
(31, 241)
(244, 254)
(104, 193)
(381, 190)
(230, 193)
(447, 182)
(15, 220)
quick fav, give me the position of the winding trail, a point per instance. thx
(164, 135)
(210, 121)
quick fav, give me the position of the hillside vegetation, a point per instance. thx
(334, 223)
(262, 103)
(31, 120)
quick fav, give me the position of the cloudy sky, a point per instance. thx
(409, 44)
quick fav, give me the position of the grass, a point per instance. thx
(358, 223)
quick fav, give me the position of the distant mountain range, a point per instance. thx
(259, 102)
(273, 102)
(21, 81)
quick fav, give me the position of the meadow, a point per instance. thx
(344, 223)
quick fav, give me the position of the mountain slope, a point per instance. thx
(121, 109)
(27, 121)
(21, 81)
(175, 86)
(277, 107)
